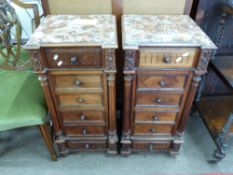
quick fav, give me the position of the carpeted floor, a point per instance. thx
(23, 152)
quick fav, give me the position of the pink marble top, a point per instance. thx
(75, 30)
(162, 30)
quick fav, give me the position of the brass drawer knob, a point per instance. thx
(162, 83)
(158, 100)
(73, 60)
(77, 83)
(80, 100)
(155, 118)
(85, 131)
(152, 130)
(167, 60)
(87, 146)
(82, 117)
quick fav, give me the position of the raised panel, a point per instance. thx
(167, 57)
(157, 99)
(155, 117)
(81, 100)
(84, 130)
(152, 129)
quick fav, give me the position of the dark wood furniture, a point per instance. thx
(215, 18)
(217, 112)
(165, 57)
(76, 68)
(214, 97)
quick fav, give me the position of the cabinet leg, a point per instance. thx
(61, 146)
(112, 143)
(176, 145)
(126, 144)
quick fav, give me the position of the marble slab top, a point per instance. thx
(162, 30)
(75, 30)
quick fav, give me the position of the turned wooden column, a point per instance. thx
(110, 70)
(129, 72)
(198, 73)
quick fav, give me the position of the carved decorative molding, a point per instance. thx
(110, 60)
(36, 60)
(205, 57)
(130, 56)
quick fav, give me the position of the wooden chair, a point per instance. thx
(70, 7)
(21, 98)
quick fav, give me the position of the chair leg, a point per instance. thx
(48, 140)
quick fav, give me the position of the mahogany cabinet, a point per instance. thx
(74, 57)
(165, 57)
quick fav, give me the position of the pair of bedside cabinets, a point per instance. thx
(75, 59)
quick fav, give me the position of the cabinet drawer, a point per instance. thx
(151, 146)
(152, 129)
(169, 81)
(87, 146)
(84, 130)
(74, 57)
(83, 117)
(168, 57)
(78, 83)
(157, 98)
(155, 117)
(81, 100)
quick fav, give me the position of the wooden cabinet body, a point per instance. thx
(77, 74)
(165, 57)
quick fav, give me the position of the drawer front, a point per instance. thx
(83, 117)
(84, 130)
(158, 98)
(168, 57)
(87, 146)
(150, 129)
(151, 146)
(145, 82)
(74, 57)
(78, 82)
(81, 100)
(155, 117)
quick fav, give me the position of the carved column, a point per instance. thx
(110, 65)
(129, 71)
(200, 71)
(112, 140)
(39, 69)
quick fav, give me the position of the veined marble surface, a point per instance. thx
(162, 30)
(75, 30)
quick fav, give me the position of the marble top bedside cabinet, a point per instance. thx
(165, 57)
(74, 57)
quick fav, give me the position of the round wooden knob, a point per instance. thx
(84, 132)
(80, 100)
(87, 146)
(155, 118)
(73, 60)
(82, 117)
(77, 83)
(167, 60)
(151, 147)
(158, 100)
(152, 130)
(162, 83)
